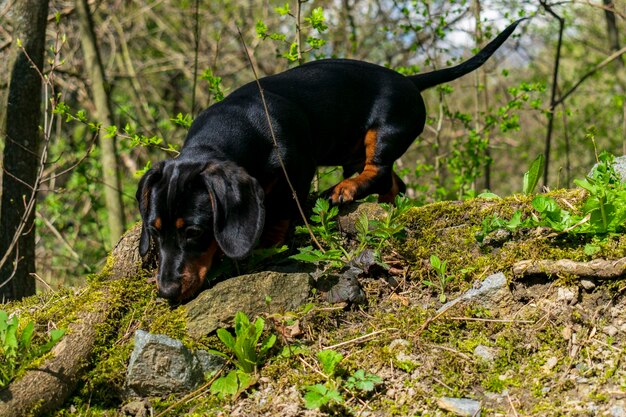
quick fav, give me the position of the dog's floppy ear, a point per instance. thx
(238, 211)
(143, 198)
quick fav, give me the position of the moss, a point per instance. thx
(442, 356)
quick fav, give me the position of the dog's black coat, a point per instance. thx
(228, 182)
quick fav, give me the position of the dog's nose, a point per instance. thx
(171, 291)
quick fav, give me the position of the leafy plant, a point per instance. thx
(603, 210)
(314, 23)
(370, 233)
(249, 354)
(443, 278)
(329, 359)
(329, 393)
(232, 385)
(362, 381)
(16, 347)
(319, 395)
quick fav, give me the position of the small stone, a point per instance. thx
(617, 411)
(566, 295)
(619, 165)
(485, 352)
(137, 408)
(567, 332)
(550, 364)
(399, 345)
(160, 365)
(610, 330)
(587, 284)
(349, 215)
(492, 291)
(460, 406)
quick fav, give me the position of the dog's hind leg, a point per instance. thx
(377, 176)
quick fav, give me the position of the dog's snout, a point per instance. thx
(171, 291)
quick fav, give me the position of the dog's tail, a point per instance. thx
(433, 78)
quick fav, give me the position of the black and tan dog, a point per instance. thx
(228, 183)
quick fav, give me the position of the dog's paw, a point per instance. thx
(344, 192)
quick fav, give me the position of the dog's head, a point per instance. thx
(192, 210)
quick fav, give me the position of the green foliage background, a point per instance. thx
(149, 52)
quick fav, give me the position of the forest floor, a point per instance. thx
(544, 344)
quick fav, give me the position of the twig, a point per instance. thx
(442, 383)
(592, 71)
(276, 147)
(304, 362)
(196, 39)
(75, 164)
(60, 237)
(359, 339)
(441, 313)
(511, 404)
(38, 278)
(492, 320)
(553, 99)
(449, 349)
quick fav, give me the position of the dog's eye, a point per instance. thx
(193, 232)
(153, 231)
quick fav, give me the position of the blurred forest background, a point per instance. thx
(120, 81)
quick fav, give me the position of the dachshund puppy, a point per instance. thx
(227, 190)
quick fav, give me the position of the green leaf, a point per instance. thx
(261, 29)
(531, 177)
(319, 395)
(225, 386)
(227, 338)
(268, 343)
(435, 262)
(4, 324)
(329, 360)
(284, 10)
(488, 195)
(10, 341)
(26, 337)
(317, 19)
(111, 131)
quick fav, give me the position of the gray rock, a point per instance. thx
(567, 295)
(137, 408)
(342, 287)
(486, 353)
(551, 362)
(217, 306)
(610, 330)
(489, 293)
(350, 213)
(460, 406)
(617, 411)
(209, 362)
(160, 365)
(619, 164)
(587, 284)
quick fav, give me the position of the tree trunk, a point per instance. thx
(100, 96)
(21, 150)
(611, 29)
